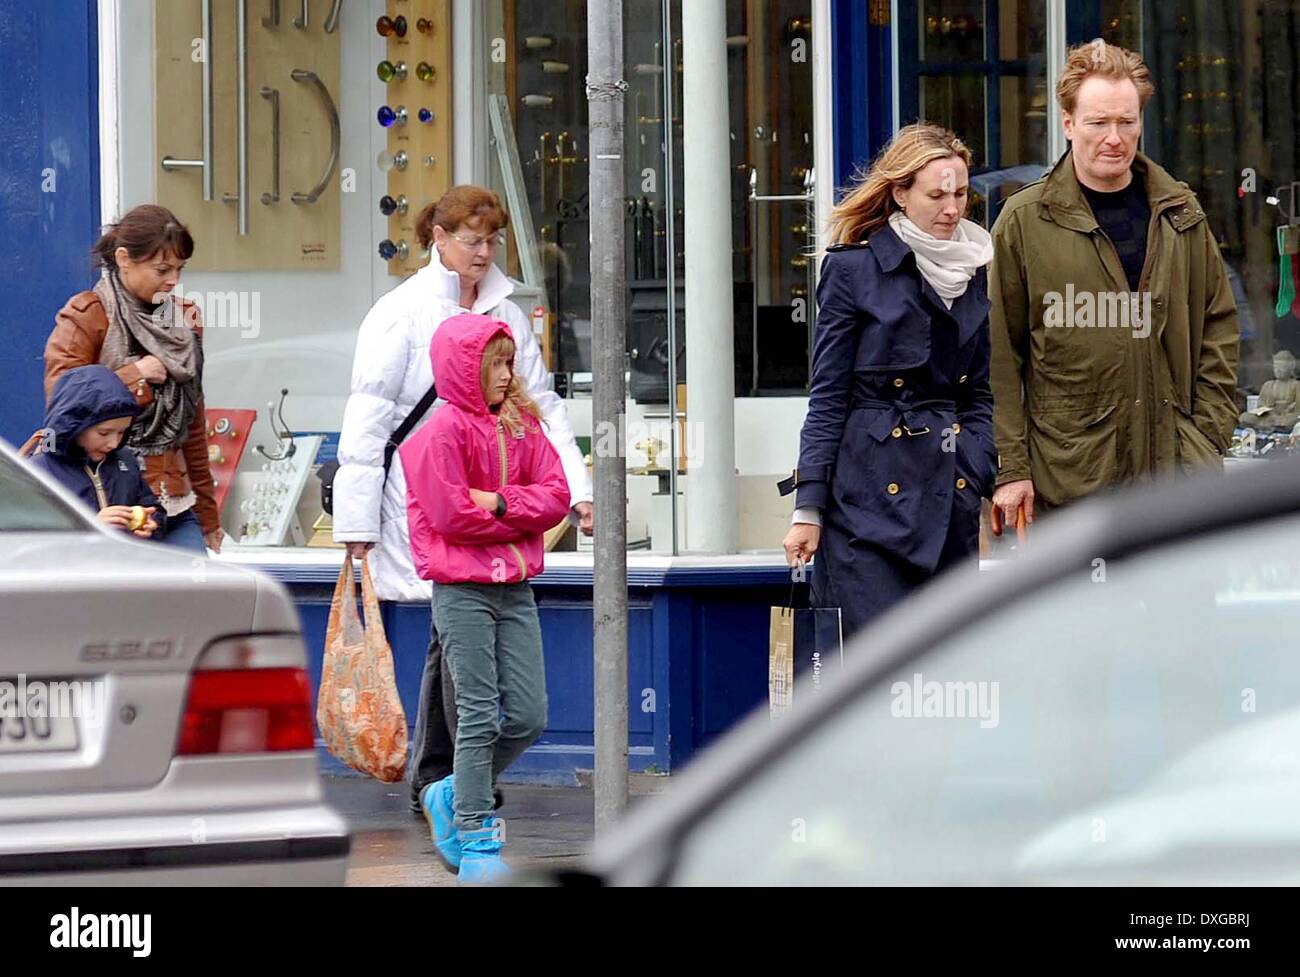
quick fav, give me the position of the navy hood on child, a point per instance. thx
(82, 398)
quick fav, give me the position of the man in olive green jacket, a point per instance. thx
(1114, 329)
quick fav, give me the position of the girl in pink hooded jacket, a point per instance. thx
(482, 485)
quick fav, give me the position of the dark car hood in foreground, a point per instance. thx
(1109, 526)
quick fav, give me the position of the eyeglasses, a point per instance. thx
(493, 241)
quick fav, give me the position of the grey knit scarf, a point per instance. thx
(135, 330)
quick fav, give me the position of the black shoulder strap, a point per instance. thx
(411, 419)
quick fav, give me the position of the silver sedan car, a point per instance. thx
(156, 724)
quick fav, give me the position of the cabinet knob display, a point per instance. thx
(389, 205)
(391, 26)
(392, 117)
(388, 71)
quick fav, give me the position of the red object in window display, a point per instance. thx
(228, 432)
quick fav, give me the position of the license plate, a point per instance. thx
(37, 734)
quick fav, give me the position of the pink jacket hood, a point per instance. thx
(457, 355)
(464, 446)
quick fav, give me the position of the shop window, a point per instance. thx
(284, 275)
(770, 82)
(979, 69)
(1223, 120)
(307, 271)
(535, 57)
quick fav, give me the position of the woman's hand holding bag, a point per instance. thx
(801, 542)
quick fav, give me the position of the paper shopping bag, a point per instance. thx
(805, 648)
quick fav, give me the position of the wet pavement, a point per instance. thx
(545, 828)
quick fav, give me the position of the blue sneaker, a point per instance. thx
(480, 862)
(436, 801)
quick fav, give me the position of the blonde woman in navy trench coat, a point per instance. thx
(897, 447)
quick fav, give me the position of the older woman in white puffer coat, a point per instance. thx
(391, 372)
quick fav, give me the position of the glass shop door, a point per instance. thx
(774, 231)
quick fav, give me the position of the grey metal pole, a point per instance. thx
(605, 93)
(666, 123)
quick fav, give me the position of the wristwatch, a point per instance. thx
(501, 505)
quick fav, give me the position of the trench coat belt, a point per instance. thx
(822, 473)
(903, 405)
(914, 416)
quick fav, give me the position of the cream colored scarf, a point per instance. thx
(948, 265)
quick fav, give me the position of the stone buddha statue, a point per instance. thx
(1279, 399)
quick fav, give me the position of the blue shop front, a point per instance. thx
(697, 651)
(300, 158)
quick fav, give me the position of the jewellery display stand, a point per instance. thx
(267, 510)
(228, 431)
(417, 115)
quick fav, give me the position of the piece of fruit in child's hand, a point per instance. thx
(137, 517)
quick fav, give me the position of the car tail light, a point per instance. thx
(247, 710)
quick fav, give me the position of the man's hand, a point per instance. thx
(586, 517)
(358, 550)
(1007, 499)
(801, 542)
(214, 538)
(484, 500)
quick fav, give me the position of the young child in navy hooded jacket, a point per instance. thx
(483, 485)
(89, 413)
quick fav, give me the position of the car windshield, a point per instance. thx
(1136, 722)
(26, 505)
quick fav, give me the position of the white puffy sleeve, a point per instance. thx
(378, 369)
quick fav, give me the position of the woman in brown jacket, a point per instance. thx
(131, 323)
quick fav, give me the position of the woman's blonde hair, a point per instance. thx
(517, 402)
(868, 205)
